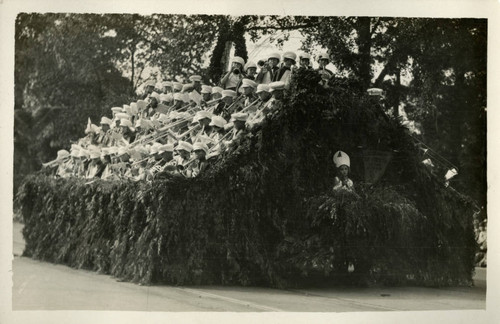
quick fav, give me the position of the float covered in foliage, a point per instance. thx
(264, 213)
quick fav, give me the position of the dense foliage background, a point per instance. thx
(265, 212)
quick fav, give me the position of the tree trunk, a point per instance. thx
(397, 92)
(132, 54)
(226, 56)
(364, 43)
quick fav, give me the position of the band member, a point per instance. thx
(248, 89)
(285, 72)
(217, 92)
(269, 70)
(148, 89)
(200, 164)
(226, 102)
(235, 74)
(206, 95)
(326, 74)
(104, 136)
(305, 61)
(251, 70)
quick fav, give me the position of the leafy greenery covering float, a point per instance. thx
(265, 212)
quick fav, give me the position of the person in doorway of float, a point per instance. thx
(343, 164)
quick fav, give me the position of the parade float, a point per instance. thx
(265, 213)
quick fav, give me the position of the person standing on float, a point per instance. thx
(232, 78)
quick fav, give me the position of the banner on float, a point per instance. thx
(375, 164)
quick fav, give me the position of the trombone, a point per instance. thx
(51, 163)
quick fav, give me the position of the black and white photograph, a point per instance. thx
(224, 162)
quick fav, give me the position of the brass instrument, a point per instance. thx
(162, 132)
(250, 105)
(53, 162)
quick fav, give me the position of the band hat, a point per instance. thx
(202, 114)
(169, 97)
(155, 95)
(122, 150)
(92, 129)
(200, 146)
(177, 86)
(324, 55)
(250, 64)
(126, 107)
(106, 121)
(140, 123)
(341, 158)
(155, 147)
(290, 55)
(141, 104)
(75, 147)
(83, 153)
(167, 84)
(277, 85)
(275, 55)
(262, 87)
(195, 78)
(142, 150)
(117, 109)
(134, 109)
(178, 96)
(217, 90)
(126, 123)
(239, 116)
(187, 87)
(123, 116)
(245, 83)
(163, 118)
(150, 83)
(206, 89)
(61, 154)
(166, 148)
(218, 121)
(95, 154)
(305, 56)
(127, 110)
(112, 150)
(92, 147)
(228, 93)
(163, 97)
(182, 145)
(158, 85)
(104, 151)
(173, 115)
(184, 116)
(238, 59)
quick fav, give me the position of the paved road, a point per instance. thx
(41, 285)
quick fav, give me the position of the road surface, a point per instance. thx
(45, 286)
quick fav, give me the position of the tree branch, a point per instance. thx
(294, 27)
